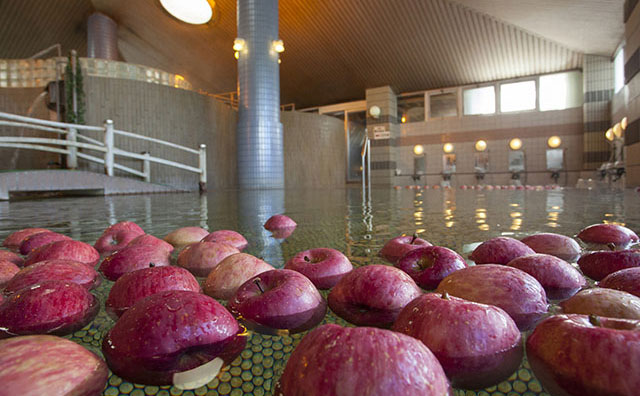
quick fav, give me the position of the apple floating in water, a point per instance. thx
(279, 221)
(428, 266)
(60, 270)
(605, 234)
(13, 241)
(48, 365)
(225, 278)
(134, 286)
(499, 250)
(559, 279)
(65, 250)
(372, 295)
(134, 257)
(7, 271)
(34, 241)
(597, 265)
(363, 361)
(200, 258)
(229, 237)
(177, 337)
(50, 307)
(627, 280)
(278, 300)
(578, 355)
(603, 302)
(6, 255)
(186, 236)
(511, 289)
(397, 247)
(117, 236)
(557, 245)
(478, 345)
(150, 240)
(323, 266)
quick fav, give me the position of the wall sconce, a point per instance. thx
(194, 12)
(238, 44)
(624, 123)
(515, 144)
(278, 46)
(617, 130)
(374, 111)
(554, 142)
(279, 61)
(418, 149)
(403, 119)
(481, 145)
(609, 134)
(447, 148)
(236, 55)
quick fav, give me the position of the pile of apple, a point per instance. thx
(465, 333)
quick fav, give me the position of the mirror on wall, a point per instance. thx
(516, 161)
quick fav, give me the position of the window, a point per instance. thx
(560, 91)
(518, 96)
(411, 108)
(618, 70)
(443, 105)
(480, 101)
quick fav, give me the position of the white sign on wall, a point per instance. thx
(380, 133)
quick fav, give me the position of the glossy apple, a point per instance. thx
(597, 265)
(428, 266)
(478, 345)
(282, 233)
(48, 365)
(13, 241)
(278, 300)
(499, 250)
(66, 250)
(225, 278)
(150, 240)
(363, 361)
(397, 247)
(566, 354)
(511, 289)
(32, 242)
(185, 236)
(627, 280)
(132, 258)
(200, 258)
(7, 271)
(323, 266)
(372, 295)
(557, 245)
(134, 286)
(168, 333)
(6, 255)
(279, 221)
(61, 270)
(605, 234)
(229, 237)
(559, 279)
(50, 307)
(117, 236)
(603, 302)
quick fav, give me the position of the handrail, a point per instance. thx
(38, 121)
(150, 139)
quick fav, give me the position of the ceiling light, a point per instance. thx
(515, 144)
(481, 145)
(418, 149)
(447, 148)
(195, 12)
(278, 46)
(238, 44)
(554, 142)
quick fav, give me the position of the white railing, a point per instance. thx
(69, 146)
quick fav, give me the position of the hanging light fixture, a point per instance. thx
(195, 12)
(515, 144)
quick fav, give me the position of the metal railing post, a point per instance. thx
(146, 167)
(108, 143)
(72, 157)
(369, 166)
(202, 163)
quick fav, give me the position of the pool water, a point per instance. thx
(338, 219)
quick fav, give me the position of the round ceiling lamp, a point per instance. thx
(447, 148)
(481, 145)
(418, 149)
(515, 144)
(554, 142)
(195, 12)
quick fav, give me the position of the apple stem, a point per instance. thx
(445, 296)
(306, 259)
(413, 238)
(257, 282)
(595, 320)
(611, 246)
(151, 265)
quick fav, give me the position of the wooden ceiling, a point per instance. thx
(335, 49)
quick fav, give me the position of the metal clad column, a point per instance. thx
(102, 37)
(259, 135)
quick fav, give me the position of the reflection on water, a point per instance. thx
(337, 219)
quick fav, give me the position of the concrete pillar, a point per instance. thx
(102, 37)
(598, 91)
(259, 134)
(383, 152)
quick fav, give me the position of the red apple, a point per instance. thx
(627, 280)
(605, 234)
(13, 241)
(48, 365)
(603, 302)
(559, 279)
(511, 289)
(499, 250)
(372, 295)
(229, 237)
(6, 255)
(428, 266)
(574, 355)
(133, 258)
(397, 247)
(225, 278)
(597, 265)
(323, 266)
(186, 236)
(478, 345)
(363, 361)
(279, 221)
(557, 245)
(66, 250)
(200, 258)
(7, 271)
(282, 233)
(278, 300)
(117, 236)
(53, 307)
(134, 286)
(169, 333)
(34, 241)
(60, 270)
(150, 240)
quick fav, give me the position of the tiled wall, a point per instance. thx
(598, 91)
